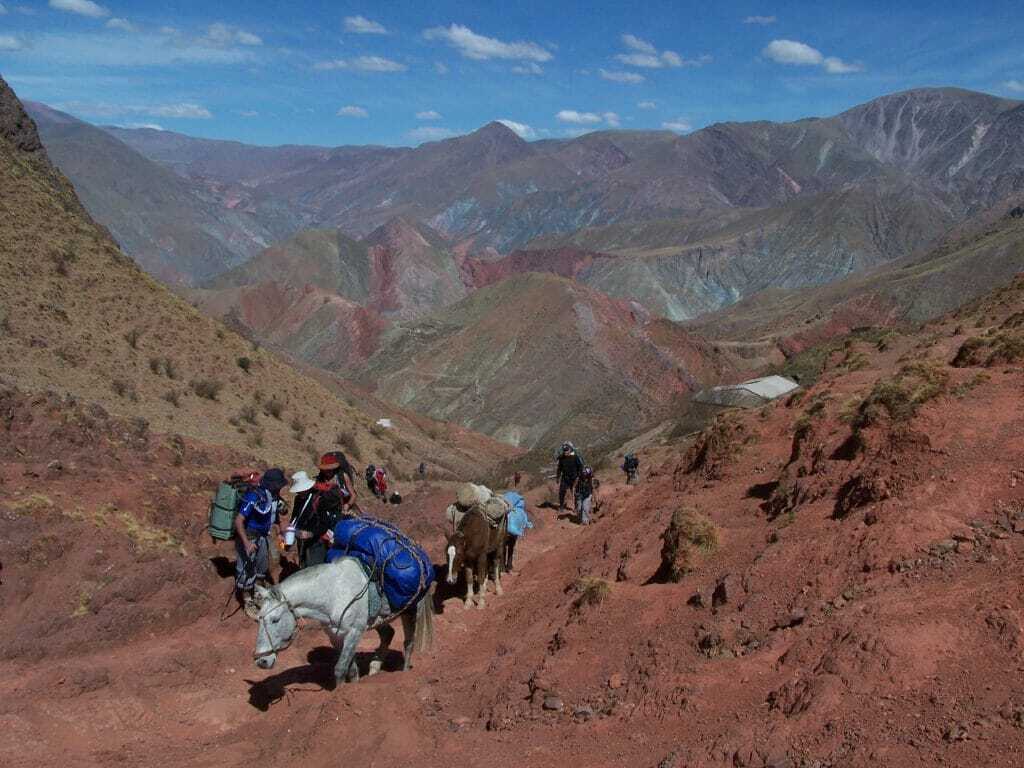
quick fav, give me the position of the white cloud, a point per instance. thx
(363, 26)
(223, 35)
(524, 131)
(762, 20)
(352, 111)
(577, 118)
(150, 126)
(181, 111)
(612, 119)
(634, 42)
(430, 133)
(679, 125)
(441, 68)
(1017, 86)
(362, 64)
(640, 60)
(122, 24)
(647, 104)
(428, 114)
(109, 49)
(248, 113)
(10, 43)
(631, 78)
(81, 7)
(478, 47)
(530, 68)
(3, 10)
(168, 31)
(795, 53)
(836, 66)
(643, 54)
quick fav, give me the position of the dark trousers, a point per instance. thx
(564, 486)
(313, 553)
(510, 548)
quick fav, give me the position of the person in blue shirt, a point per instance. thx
(518, 523)
(256, 516)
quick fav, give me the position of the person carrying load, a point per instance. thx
(257, 514)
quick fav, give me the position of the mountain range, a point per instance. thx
(392, 265)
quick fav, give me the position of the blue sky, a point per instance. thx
(332, 73)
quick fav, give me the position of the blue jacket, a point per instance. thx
(259, 510)
(518, 520)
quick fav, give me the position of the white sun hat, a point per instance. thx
(300, 482)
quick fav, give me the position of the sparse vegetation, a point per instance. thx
(173, 397)
(245, 363)
(686, 531)
(255, 439)
(347, 441)
(298, 428)
(901, 396)
(999, 348)
(132, 337)
(208, 389)
(247, 414)
(964, 387)
(273, 407)
(124, 389)
(591, 591)
(718, 444)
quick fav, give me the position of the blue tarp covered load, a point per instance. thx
(518, 520)
(395, 562)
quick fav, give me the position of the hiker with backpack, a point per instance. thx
(257, 514)
(370, 474)
(518, 523)
(569, 469)
(335, 477)
(585, 496)
(631, 466)
(380, 484)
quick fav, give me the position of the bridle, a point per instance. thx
(261, 624)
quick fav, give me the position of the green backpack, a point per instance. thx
(224, 508)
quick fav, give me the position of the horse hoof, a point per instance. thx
(499, 591)
(481, 605)
(375, 667)
(467, 604)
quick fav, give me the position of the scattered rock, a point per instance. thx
(615, 681)
(794, 619)
(696, 600)
(55, 466)
(956, 732)
(943, 547)
(553, 704)
(720, 596)
(458, 723)
(583, 713)
(710, 644)
(671, 760)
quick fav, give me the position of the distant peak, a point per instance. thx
(496, 129)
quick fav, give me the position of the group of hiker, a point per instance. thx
(321, 502)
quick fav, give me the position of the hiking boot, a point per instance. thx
(249, 605)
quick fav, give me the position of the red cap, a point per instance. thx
(328, 462)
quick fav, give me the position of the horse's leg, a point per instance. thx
(346, 668)
(497, 575)
(408, 637)
(469, 587)
(387, 634)
(481, 569)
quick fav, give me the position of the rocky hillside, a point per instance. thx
(81, 319)
(981, 254)
(177, 229)
(536, 359)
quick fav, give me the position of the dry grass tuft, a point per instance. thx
(591, 591)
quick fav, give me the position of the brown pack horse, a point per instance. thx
(474, 548)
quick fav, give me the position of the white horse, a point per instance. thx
(335, 595)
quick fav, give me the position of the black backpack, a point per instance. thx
(631, 463)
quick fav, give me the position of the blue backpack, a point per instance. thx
(518, 520)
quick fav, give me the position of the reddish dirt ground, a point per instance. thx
(862, 608)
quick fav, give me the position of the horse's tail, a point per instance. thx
(425, 622)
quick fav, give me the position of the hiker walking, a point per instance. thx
(335, 477)
(631, 466)
(422, 469)
(570, 467)
(256, 516)
(380, 484)
(518, 523)
(585, 496)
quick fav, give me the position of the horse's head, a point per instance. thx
(455, 554)
(276, 626)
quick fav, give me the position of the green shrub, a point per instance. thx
(901, 396)
(208, 389)
(244, 363)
